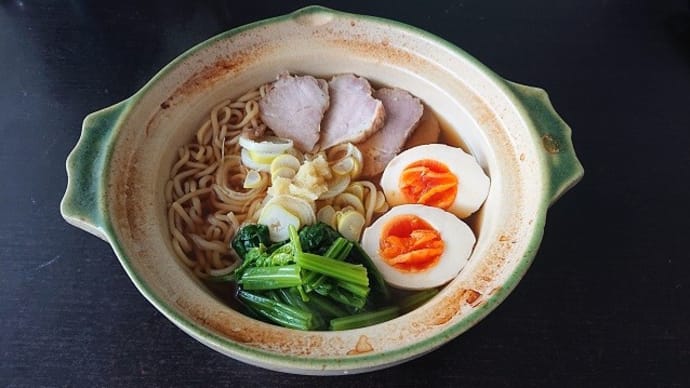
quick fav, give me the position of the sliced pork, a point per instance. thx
(427, 131)
(354, 114)
(294, 107)
(403, 112)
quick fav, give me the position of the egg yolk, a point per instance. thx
(410, 244)
(428, 182)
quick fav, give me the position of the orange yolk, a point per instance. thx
(428, 182)
(410, 244)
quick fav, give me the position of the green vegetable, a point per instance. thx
(302, 293)
(364, 319)
(262, 257)
(250, 258)
(322, 286)
(250, 236)
(339, 250)
(271, 278)
(325, 306)
(283, 255)
(293, 297)
(353, 273)
(295, 240)
(280, 313)
(356, 289)
(347, 298)
(315, 276)
(317, 238)
(378, 285)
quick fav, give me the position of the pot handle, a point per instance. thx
(83, 204)
(554, 136)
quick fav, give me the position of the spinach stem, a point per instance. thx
(271, 278)
(353, 273)
(278, 312)
(364, 319)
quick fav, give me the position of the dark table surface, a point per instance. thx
(606, 302)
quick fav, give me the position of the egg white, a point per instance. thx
(473, 183)
(458, 239)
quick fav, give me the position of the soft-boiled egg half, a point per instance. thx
(417, 246)
(436, 175)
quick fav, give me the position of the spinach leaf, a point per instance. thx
(317, 238)
(250, 236)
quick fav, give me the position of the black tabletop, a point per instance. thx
(606, 302)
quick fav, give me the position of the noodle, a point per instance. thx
(370, 204)
(205, 197)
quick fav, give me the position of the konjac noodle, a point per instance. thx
(323, 204)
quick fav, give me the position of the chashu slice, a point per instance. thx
(403, 112)
(293, 108)
(354, 115)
